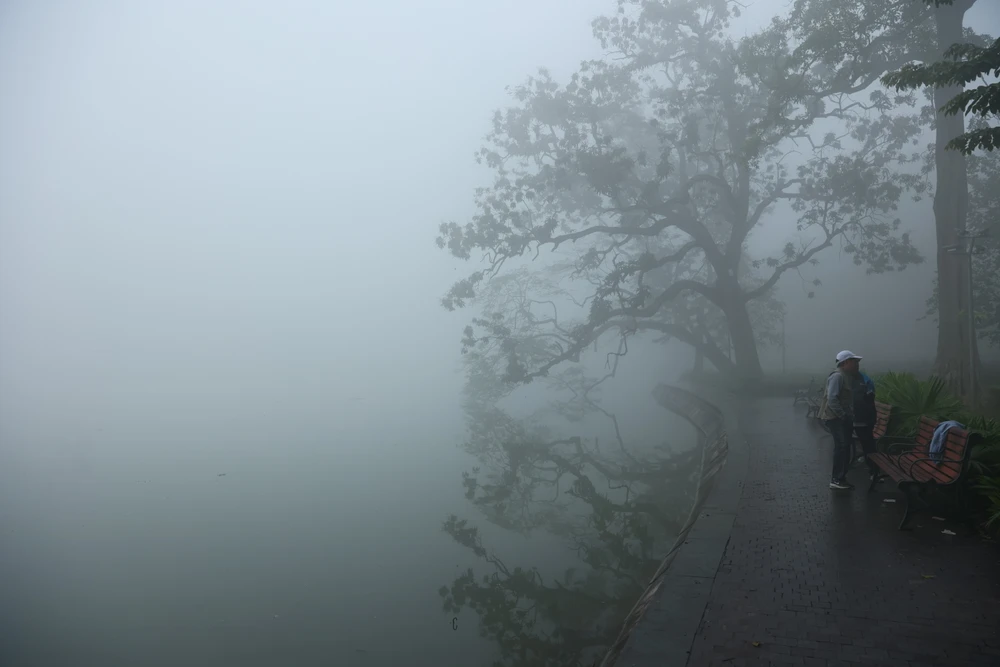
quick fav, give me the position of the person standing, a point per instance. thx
(837, 411)
(865, 416)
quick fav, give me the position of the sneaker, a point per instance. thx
(840, 484)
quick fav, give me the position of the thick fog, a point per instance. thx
(246, 195)
(224, 363)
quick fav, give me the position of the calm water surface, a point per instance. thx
(278, 547)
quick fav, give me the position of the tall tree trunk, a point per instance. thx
(744, 344)
(741, 330)
(706, 349)
(956, 362)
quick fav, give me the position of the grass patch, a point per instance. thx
(786, 384)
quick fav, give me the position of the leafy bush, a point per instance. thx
(986, 455)
(985, 464)
(913, 398)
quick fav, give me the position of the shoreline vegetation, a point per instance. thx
(912, 394)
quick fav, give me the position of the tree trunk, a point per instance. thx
(741, 330)
(705, 349)
(956, 363)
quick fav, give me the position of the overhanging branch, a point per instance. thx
(802, 258)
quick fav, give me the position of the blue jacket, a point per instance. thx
(940, 437)
(869, 383)
(863, 398)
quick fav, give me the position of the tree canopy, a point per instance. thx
(655, 166)
(965, 63)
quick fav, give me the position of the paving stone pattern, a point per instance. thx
(822, 577)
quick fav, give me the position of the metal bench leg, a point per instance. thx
(908, 510)
(871, 487)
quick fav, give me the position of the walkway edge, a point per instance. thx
(661, 628)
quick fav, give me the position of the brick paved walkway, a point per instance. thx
(821, 577)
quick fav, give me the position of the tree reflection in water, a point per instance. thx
(617, 511)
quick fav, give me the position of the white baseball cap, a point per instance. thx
(845, 355)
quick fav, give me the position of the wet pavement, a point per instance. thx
(812, 576)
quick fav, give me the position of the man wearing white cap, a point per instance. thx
(837, 410)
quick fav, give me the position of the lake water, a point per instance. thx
(325, 546)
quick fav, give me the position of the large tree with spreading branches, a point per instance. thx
(679, 146)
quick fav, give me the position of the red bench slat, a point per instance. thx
(883, 411)
(889, 467)
(913, 465)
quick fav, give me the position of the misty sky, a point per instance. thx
(199, 198)
(246, 194)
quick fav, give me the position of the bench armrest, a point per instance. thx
(899, 447)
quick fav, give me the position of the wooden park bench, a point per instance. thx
(802, 395)
(910, 466)
(883, 412)
(813, 403)
(811, 397)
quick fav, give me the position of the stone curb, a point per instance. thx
(661, 628)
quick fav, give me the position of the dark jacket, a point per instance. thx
(863, 395)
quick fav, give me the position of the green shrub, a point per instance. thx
(984, 465)
(985, 458)
(914, 398)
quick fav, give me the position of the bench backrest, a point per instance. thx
(956, 451)
(883, 411)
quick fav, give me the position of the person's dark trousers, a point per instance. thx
(840, 429)
(867, 439)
